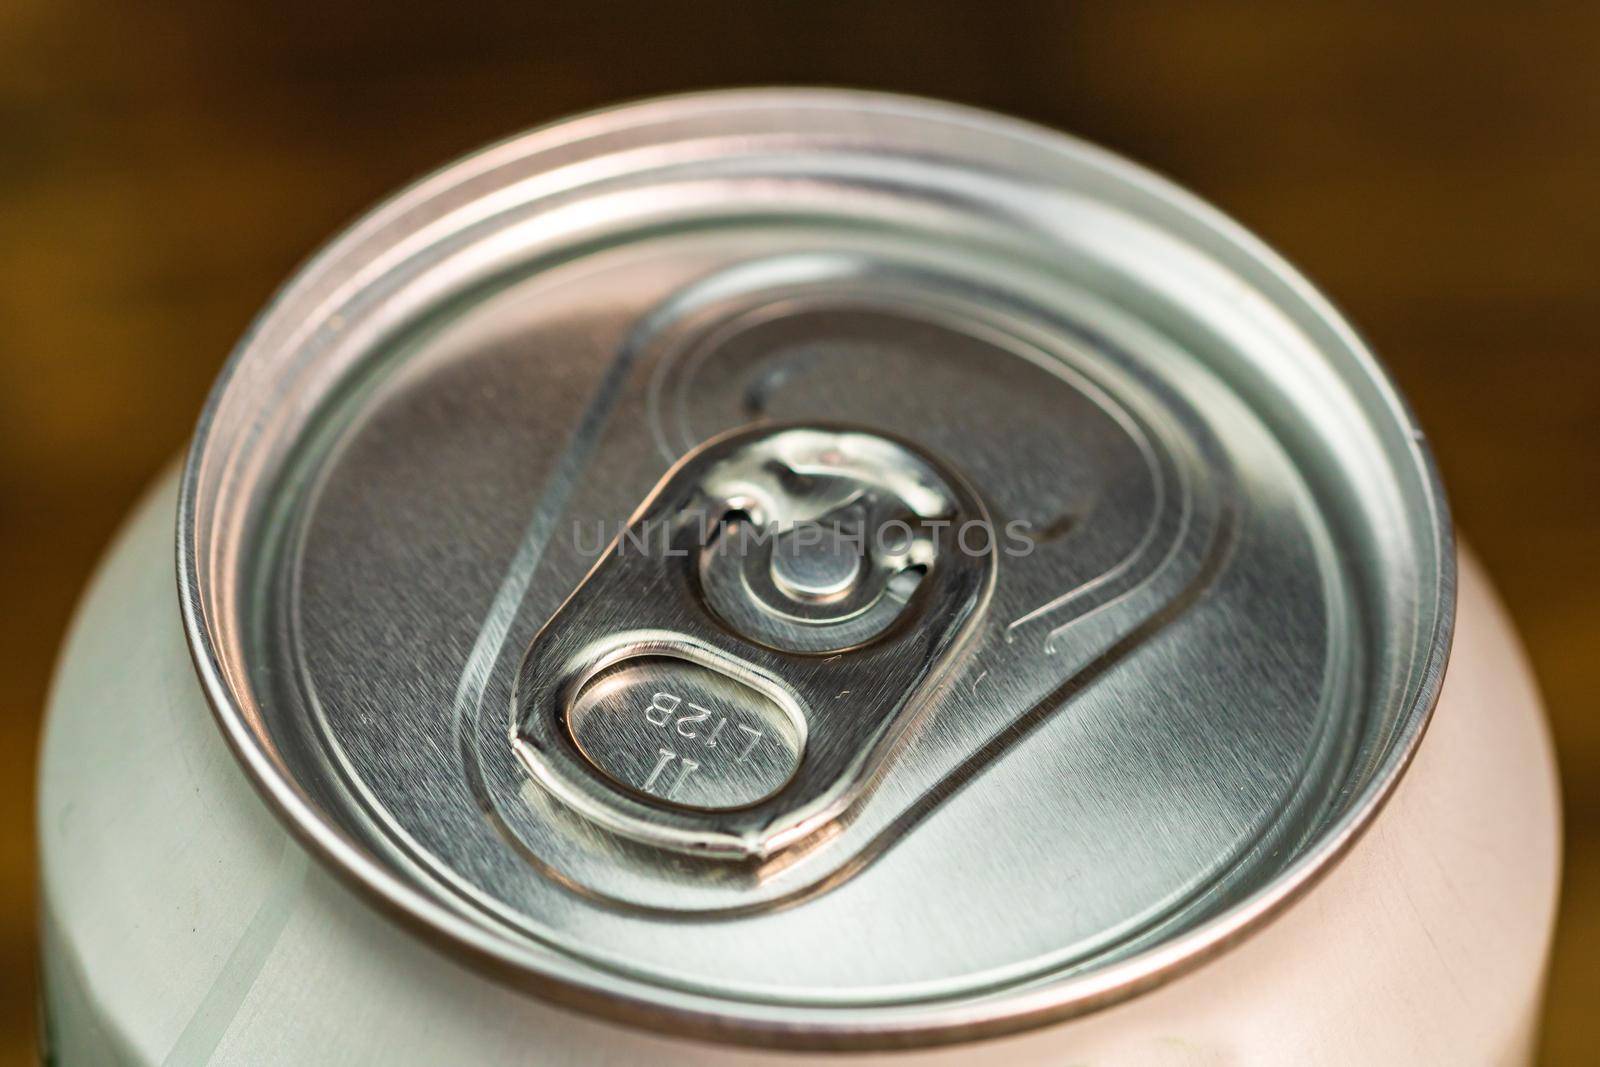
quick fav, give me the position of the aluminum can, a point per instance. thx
(795, 571)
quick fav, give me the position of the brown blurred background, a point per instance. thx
(163, 165)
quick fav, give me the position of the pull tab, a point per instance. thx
(731, 672)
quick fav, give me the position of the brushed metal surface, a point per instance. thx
(684, 734)
(851, 674)
(1180, 703)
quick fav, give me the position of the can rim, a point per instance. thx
(681, 1012)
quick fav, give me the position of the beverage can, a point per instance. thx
(814, 569)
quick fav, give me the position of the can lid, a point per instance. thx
(535, 552)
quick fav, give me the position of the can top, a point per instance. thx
(814, 567)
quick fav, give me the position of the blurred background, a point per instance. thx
(163, 165)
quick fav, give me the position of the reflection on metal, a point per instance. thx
(843, 672)
(684, 734)
(1191, 657)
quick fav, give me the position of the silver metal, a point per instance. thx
(826, 535)
(845, 676)
(1222, 583)
(684, 734)
(820, 569)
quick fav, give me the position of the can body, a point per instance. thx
(799, 570)
(183, 925)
